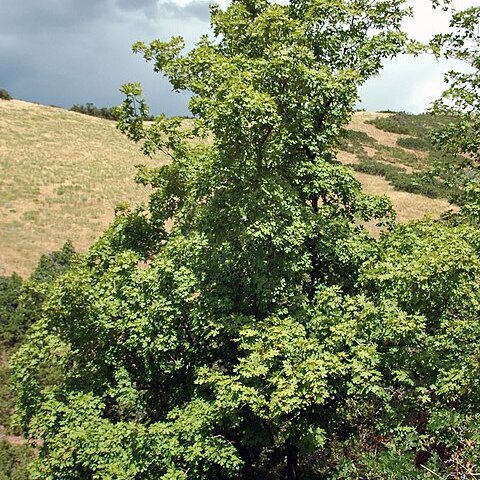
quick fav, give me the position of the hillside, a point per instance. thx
(62, 173)
(367, 143)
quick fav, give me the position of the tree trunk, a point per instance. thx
(291, 451)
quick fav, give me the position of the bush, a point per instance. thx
(108, 113)
(408, 182)
(93, 111)
(14, 460)
(414, 125)
(4, 94)
(415, 143)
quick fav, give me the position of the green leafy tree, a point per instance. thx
(90, 109)
(462, 99)
(20, 306)
(248, 340)
(11, 312)
(428, 418)
(21, 301)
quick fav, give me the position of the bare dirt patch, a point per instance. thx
(347, 158)
(12, 439)
(358, 123)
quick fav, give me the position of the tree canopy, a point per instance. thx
(244, 324)
(462, 100)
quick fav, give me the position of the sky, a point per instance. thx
(65, 52)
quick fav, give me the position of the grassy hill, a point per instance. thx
(62, 173)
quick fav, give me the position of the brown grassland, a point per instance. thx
(62, 173)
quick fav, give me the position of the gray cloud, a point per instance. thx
(78, 51)
(129, 5)
(30, 17)
(196, 9)
(407, 83)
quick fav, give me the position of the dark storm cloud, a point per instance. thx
(50, 16)
(63, 52)
(196, 9)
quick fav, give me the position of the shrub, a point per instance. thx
(14, 461)
(415, 143)
(4, 94)
(414, 125)
(93, 111)
(408, 182)
(108, 113)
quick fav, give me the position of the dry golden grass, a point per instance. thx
(62, 173)
(359, 124)
(409, 206)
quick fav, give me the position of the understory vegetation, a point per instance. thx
(21, 306)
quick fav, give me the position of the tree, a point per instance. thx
(20, 306)
(217, 348)
(21, 302)
(4, 94)
(462, 100)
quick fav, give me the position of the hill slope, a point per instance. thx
(62, 173)
(379, 143)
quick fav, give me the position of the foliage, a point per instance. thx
(4, 94)
(263, 334)
(53, 264)
(11, 312)
(107, 113)
(418, 126)
(431, 271)
(409, 182)
(353, 138)
(20, 306)
(20, 302)
(414, 143)
(443, 173)
(462, 99)
(202, 351)
(391, 162)
(14, 461)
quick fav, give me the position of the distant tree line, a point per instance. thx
(92, 110)
(108, 113)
